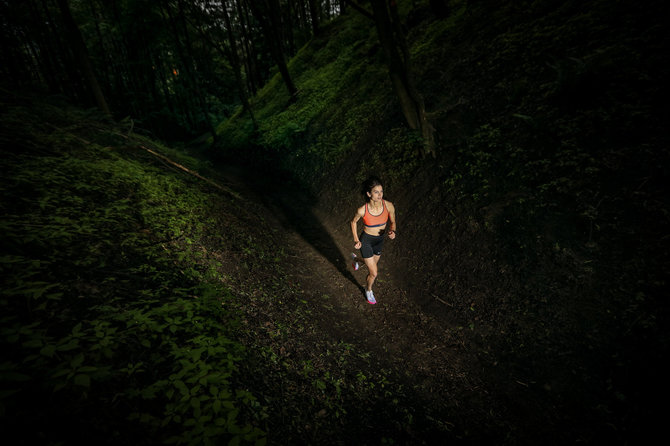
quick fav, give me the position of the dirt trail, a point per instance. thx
(437, 363)
(432, 356)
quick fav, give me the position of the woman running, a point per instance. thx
(376, 213)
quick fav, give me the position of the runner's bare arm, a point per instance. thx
(392, 228)
(354, 224)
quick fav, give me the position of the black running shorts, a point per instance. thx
(371, 245)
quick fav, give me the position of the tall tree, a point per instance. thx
(253, 78)
(439, 8)
(268, 12)
(237, 66)
(81, 56)
(195, 78)
(231, 53)
(314, 15)
(394, 45)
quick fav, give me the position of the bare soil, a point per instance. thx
(453, 395)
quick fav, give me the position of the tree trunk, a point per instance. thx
(359, 8)
(254, 78)
(314, 14)
(195, 79)
(44, 50)
(264, 14)
(290, 30)
(81, 55)
(54, 54)
(164, 84)
(101, 44)
(185, 79)
(439, 8)
(393, 43)
(237, 66)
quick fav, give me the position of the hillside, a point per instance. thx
(166, 293)
(540, 229)
(146, 303)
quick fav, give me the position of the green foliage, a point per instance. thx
(546, 194)
(560, 164)
(332, 110)
(236, 135)
(397, 154)
(124, 318)
(111, 313)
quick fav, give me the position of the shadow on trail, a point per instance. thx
(292, 205)
(303, 221)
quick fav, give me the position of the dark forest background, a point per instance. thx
(524, 144)
(178, 68)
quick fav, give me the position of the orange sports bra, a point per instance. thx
(372, 221)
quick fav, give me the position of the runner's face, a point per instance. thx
(376, 194)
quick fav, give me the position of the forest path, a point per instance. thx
(427, 354)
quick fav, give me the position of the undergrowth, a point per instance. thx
(138, 308)
(111, 315)
(546, 197)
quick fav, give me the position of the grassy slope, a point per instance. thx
(542, 221)
(138, 308)
(113, 327)
(129, 310)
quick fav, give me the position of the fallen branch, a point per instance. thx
(161, 157)
(440, 300)
(182, 167)
(190, 172)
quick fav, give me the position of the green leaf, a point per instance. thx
(7, 393)
(82, 380)
(195, 354)
(14, 376)
(77, 361)
(48, 350)
(181, 387)
(33, 343)
(70, 345)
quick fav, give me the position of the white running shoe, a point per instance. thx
(369, 295)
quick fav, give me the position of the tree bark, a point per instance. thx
(237, 66)
(55, 58)
(264, 11)
(314, 14)
(81, 55)
(439, 8)
(359, 8)
(392, 40)
(201, 99)
(184, 89)
(254, 79)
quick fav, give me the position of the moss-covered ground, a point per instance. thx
(523, 301)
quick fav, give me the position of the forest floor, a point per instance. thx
(453, 396)
(323, 365)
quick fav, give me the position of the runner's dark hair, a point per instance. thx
(369, 184)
